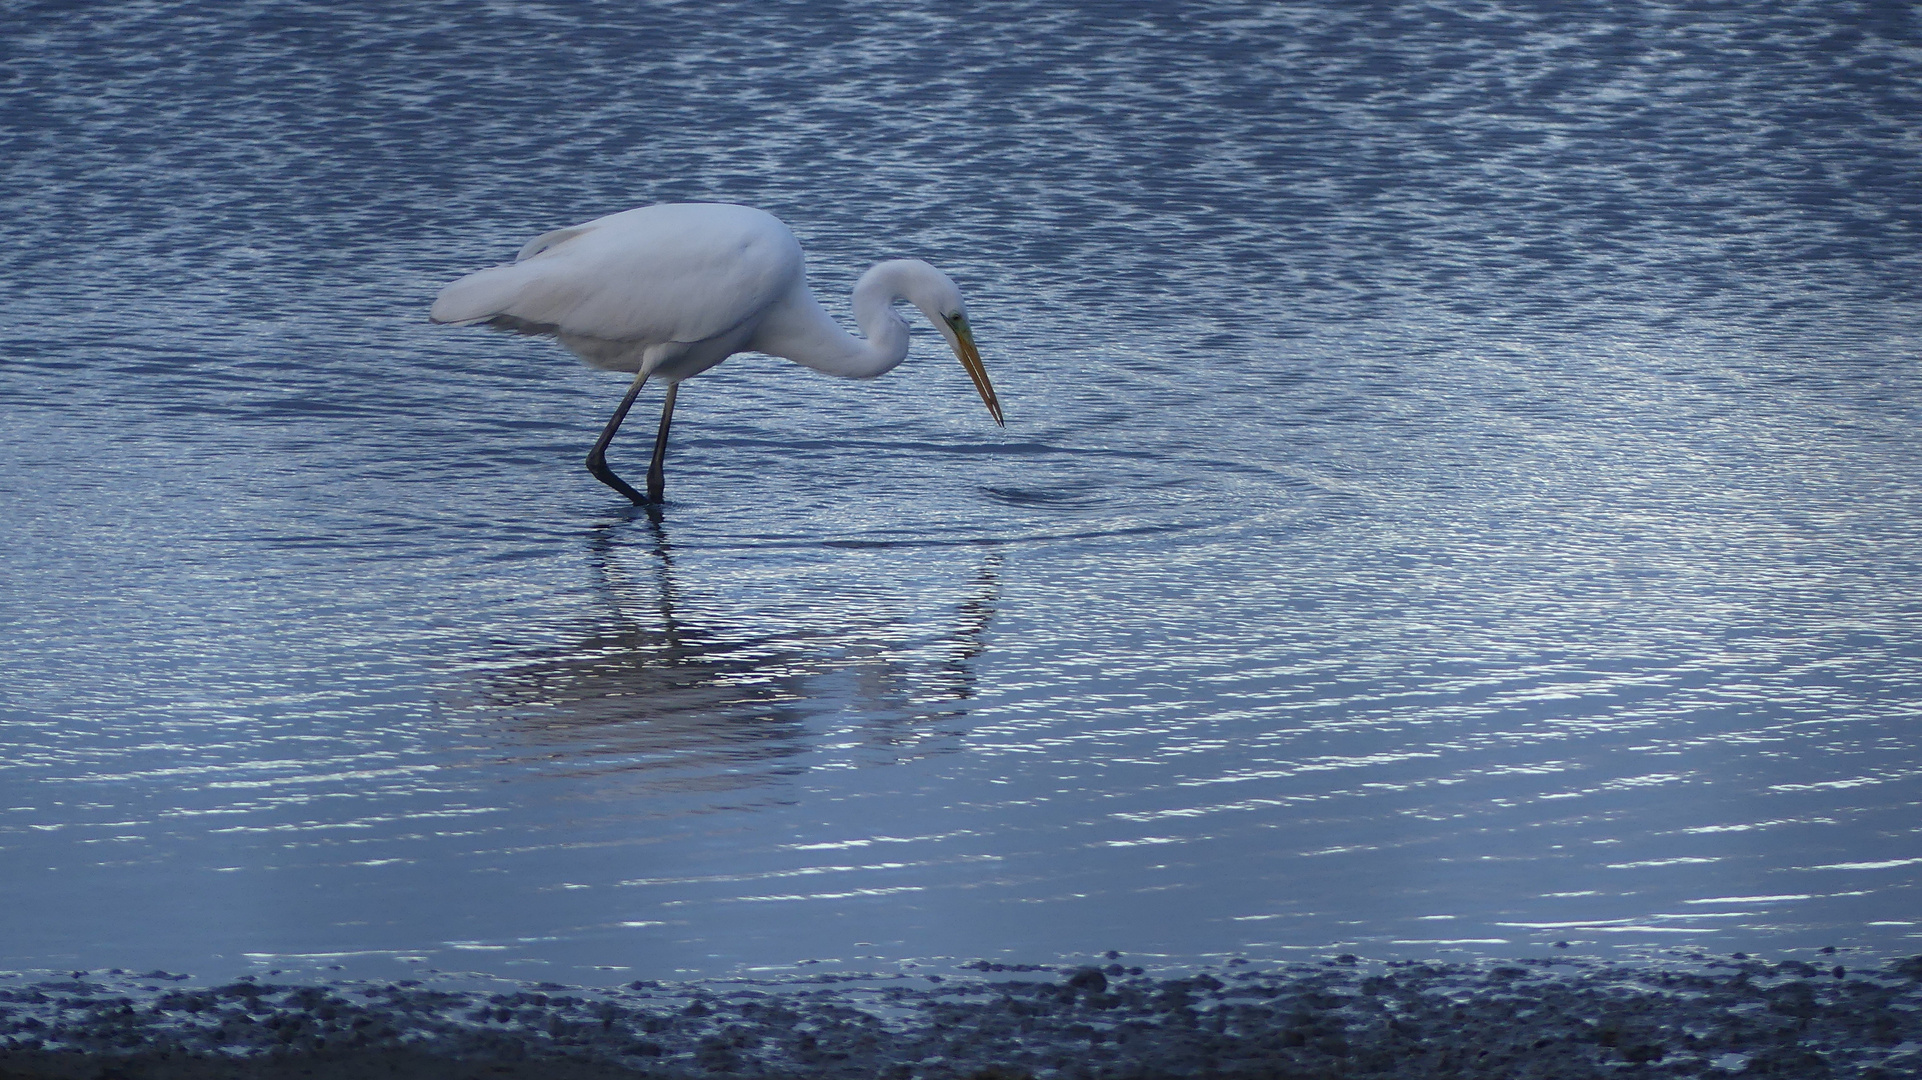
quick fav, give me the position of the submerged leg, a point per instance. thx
(656, 473)
(597, 457)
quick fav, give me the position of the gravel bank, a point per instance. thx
(1536, 1019)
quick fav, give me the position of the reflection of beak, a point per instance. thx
(962, 339)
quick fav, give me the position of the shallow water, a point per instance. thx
(1460, 492)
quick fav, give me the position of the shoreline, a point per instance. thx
(1342, 1018)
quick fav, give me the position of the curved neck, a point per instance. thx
(807, 335)
(873, 301)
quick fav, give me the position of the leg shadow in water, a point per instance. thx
(656, 690)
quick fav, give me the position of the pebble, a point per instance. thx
(1546, 1019)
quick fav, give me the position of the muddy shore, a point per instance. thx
(1341, 1018)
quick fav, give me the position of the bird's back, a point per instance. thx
(677, 272)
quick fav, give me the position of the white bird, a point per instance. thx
(669, 291)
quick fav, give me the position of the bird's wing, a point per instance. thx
(658, 274)
(550, 239)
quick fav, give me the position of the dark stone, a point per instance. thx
(1645, 1052)
(1788, 1061)
(1090, 980)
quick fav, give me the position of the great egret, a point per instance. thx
(671, 290)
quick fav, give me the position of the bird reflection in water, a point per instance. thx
(682, 704)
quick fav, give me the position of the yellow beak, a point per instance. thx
(963, 341)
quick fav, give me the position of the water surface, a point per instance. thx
(1460, 492)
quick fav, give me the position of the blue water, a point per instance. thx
(1461, 496)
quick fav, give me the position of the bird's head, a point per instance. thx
(939, 298)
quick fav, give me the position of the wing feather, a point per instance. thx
(673, 273)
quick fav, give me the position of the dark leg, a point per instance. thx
(597, 457)
(656, 473)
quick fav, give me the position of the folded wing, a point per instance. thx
(672, 273)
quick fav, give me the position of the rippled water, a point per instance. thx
(1461, 490)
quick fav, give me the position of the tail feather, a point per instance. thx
(480, 295)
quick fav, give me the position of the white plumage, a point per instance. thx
(669, 291)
